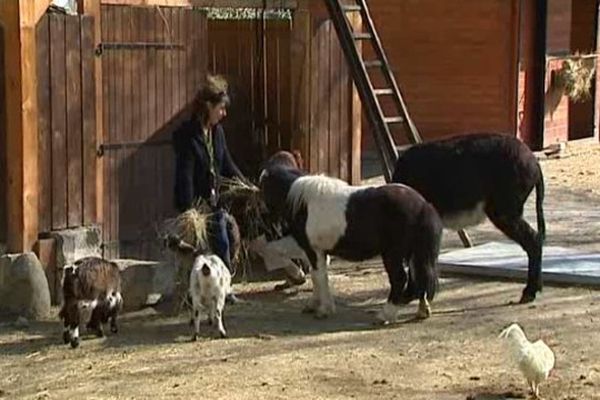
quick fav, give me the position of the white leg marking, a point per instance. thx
(389, 313)
(326, 303)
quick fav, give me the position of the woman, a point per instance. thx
(202, 158)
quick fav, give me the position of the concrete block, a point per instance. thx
(23, 287)
(145, 283)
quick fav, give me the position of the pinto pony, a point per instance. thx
(326, 217)
(467, 178)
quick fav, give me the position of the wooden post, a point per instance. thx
(93, 9)
(356, 113)
(300, 76)
(597, 91)
(535, 13)
(18, 19)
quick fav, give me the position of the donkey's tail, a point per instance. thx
(539, 208)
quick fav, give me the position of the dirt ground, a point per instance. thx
(276, 352)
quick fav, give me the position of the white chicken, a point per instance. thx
(535, 360)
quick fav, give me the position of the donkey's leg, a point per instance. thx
(517, 229)
(326, 305)
(394, 266)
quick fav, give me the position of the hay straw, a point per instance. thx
(576, 77)
(245, 203)
(190, 226)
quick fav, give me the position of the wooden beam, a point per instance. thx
(93, 8)
(356, 117)
(40, 7)
(18, 22)
(597, 91)
(300, 78)
(290, 4)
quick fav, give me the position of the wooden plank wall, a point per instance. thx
(258, 125)
(3, 185)
(235, 52)
(330, 138)
(66, 128)
(146, 91)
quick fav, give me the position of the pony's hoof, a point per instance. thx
(309, 309)
(194, 337)
(321, 315)
(424, 313)
(99, 333)
(114, 329)
(324, 312)
(223, 334)
(66, 337)
(282, 286)
(74, 343)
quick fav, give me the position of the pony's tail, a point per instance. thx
(426, 250)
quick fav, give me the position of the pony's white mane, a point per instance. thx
(307, 189)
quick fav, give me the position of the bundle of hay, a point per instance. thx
(245, 202)
(190, 226)
(576, 76)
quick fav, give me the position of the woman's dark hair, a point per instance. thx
(214, 91)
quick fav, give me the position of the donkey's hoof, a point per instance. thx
(223, 334)
(114, 329)
(74, 343)
(527, 297)
(66, 337)
(194, 337)
(99, 333)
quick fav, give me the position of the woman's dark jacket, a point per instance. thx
(193, 178)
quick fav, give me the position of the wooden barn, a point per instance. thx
(470, 65)
(90, 98)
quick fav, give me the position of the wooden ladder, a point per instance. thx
(381, 124)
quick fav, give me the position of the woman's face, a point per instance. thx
(216, 112)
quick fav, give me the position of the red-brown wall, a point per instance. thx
(455, 62)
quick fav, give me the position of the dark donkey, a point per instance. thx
(326, 216)
(469, 177)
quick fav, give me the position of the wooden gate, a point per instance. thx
(67, 153)
(259, 118)
(153, 61)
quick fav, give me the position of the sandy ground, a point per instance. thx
(276, 352)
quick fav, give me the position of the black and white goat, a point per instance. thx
(469, 177)
(91, 284)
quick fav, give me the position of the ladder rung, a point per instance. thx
(373, 64)
(362, 36)
(351, 8)
(393, 120)
(380, 92)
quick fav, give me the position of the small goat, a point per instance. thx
(467, 178)
(92, 284)
(210, 283)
